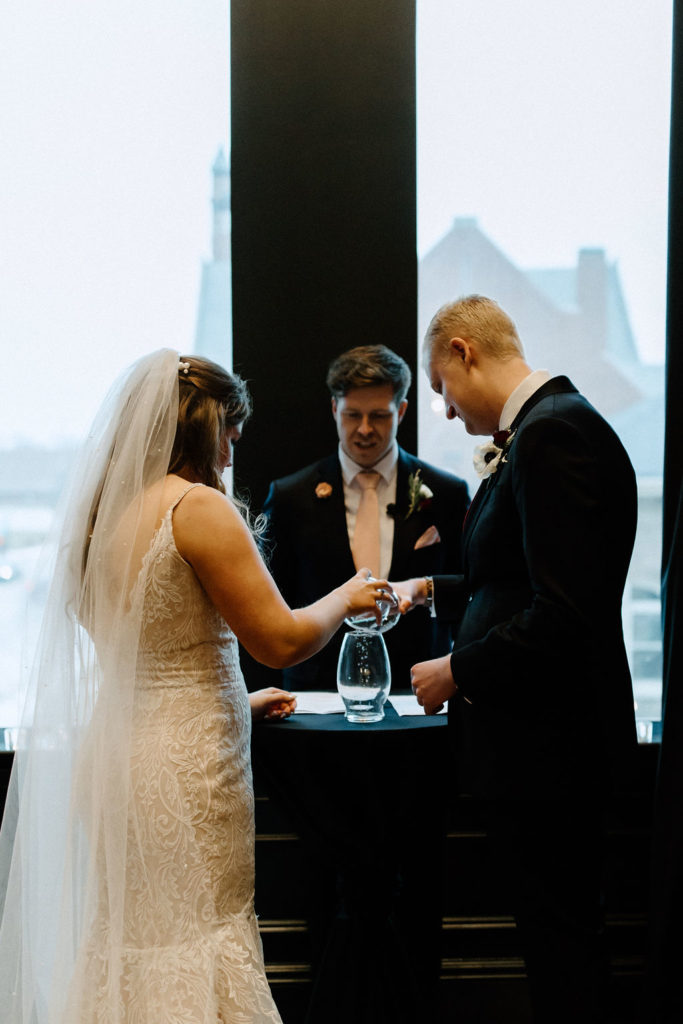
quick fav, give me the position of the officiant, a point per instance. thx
(369, 503)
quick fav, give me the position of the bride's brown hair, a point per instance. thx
(210, 401)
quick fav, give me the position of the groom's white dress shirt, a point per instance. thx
(521, 394)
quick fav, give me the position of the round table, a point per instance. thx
(392, 722)
(370, 805)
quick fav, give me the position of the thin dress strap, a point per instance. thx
(181, 496)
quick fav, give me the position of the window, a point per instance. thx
(543, 136)
(112, 117)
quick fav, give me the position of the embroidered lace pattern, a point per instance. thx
(192, 952)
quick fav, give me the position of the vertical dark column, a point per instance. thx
(323, 211)
(663, 999)
(673, 450)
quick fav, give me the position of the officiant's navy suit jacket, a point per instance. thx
(310, 555)
(545, 704)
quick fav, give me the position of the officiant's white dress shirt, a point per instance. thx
(387, 467)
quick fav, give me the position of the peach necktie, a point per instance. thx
(366, 533)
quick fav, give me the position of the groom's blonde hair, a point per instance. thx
(477, 319)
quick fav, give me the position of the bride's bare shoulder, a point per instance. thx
(204, 522)
(198, 503)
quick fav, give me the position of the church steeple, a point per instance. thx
(221, 208)
(213, 337)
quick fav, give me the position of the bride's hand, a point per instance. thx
(362, 594)
(271, 703)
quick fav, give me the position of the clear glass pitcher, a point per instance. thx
(388, 606)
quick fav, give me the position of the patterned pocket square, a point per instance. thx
(429, 537)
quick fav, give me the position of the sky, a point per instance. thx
(546, 120)
(111, 114)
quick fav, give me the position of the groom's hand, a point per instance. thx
(410, 593)
(433, 683)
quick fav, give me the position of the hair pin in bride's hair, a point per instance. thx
(183, 366)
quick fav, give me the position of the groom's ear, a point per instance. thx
(334, 406)
(402, 409)
(462, 350)
(459, 348)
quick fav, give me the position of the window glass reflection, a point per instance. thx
(542, 181)
(115, 223)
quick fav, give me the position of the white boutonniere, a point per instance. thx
(488, 457)
(419, 497)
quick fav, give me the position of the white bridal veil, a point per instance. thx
(68, 819)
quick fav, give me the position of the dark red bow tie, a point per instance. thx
(500, 437)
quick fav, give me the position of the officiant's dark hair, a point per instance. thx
(369, 366)
(210, 401)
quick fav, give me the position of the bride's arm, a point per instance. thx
(211, 535)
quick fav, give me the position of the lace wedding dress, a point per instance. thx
(191, 951)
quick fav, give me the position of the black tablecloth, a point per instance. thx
(369, 802)
(392, 722)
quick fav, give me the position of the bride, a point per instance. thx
(127, 849)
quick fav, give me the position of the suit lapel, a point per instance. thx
(332, 539)
(480, 499)
(398, 548)
(406, 531)
(475, 508)
(555, 386)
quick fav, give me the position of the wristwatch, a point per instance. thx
(429, 599)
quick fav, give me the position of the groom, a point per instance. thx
(368, 504)
(538, 685)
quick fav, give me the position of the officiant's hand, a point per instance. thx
(410, 593)
(433, 683)
(271, 703)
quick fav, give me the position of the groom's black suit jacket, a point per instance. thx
(310, 555)
(545, 705)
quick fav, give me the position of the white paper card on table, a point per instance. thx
(318, 703)
(406, 704)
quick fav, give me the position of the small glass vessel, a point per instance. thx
(363, 675)
(388, 605)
